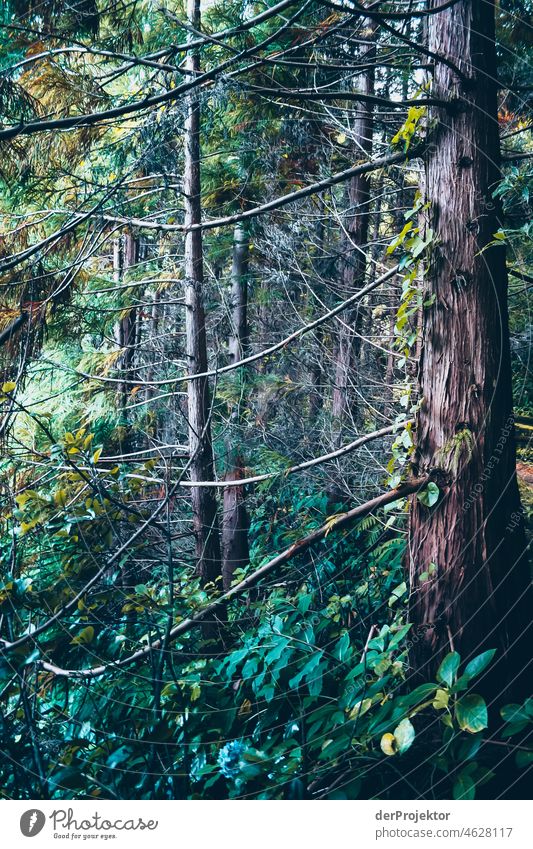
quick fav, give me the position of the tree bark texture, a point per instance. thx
(235, 520)
(125, 257)
(480, 596)
(204, 505)
(356, 226)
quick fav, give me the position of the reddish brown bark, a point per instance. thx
(235, 526)
(480, 596)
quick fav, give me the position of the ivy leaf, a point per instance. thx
(430, 495)
(471, 713)
(447, 670)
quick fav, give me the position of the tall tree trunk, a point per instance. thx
(357, 221)
(125, 257)
(235, 521)
(238, 341)
(480, 595)
(319, 273)
(204, 505)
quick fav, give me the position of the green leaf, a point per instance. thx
(397, 593)
(405, 735)
(398, 636)
(341, 649)
(471, 713)
(306, 671)
(314, 683)
(523, 759)
(514, 713)
(469, 748)
(478, 664)
(430, 495)
(447, 670)
(442, 697)
(464, 787)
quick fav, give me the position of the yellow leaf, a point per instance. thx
(60, 497)
(331, 521)
(85, 636)
(360, 708)
(388, 744)
(441, 699)
(9, 386)
(245, 708)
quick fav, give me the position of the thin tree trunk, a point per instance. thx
(357, 222)
(480, 595)
(390, 363)
(204, 505)
(238, 341)
(319, 275)
(235, 521)
(152, 354)
(125, 257)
